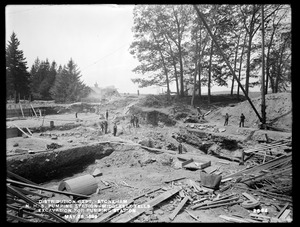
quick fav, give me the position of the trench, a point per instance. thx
(59, 163)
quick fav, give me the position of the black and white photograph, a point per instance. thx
(149, 113)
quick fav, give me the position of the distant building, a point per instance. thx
(97, 94)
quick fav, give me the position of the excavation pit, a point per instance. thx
(57, 164)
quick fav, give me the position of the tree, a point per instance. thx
(17, 77)
(67, 86)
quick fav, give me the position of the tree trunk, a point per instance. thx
(235, 58)
(209, 71)
(199, 78)
(241, 62)
(195, 75)
(181, 70)
(248, 64)
(268, 61)
(263, 102)
(164, 65)
(174, 64)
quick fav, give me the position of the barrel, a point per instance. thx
(85, 185)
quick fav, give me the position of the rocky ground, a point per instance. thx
(168, 123)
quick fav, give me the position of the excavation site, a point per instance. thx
(170, 166)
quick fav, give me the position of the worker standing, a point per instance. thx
(106, 115)
(199, 112)
(242, 119)
(226, 119)
(115, 129)
(105, 126)
(132, 119)
(102, 126)
(136, 121)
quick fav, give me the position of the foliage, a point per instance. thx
(17, 77)
(172, 45)
(67, 86)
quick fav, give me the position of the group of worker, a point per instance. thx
(104, 125)
(134, 121)
(242, 120)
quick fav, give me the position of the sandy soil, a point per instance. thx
(139, 168)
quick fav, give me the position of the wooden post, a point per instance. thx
(21, 108)
(226, 60)
(33, 110)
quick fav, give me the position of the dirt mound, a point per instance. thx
(155, 101)
(278, 111)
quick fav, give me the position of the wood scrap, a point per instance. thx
(13, 175)
(126, 217)
(282, 210)
(112, 212)
(220, 204)
(175, 179)
(46, 189)
(285, 214)
(178, 208)
(232, 219)
(206, 205)
(147, 193)
(193, 216)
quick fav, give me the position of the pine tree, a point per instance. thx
(67, 86)
(17, 77)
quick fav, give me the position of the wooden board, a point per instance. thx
(126, 217)
(178, 208)
(110, 213)
(197, 165)
(232, 219)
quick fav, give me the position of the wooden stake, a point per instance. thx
(21, 108)
(33, 110)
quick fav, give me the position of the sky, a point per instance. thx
(96, 37)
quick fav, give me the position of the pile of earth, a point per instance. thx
(278, 111)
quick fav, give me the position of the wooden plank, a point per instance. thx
(175, 179)
(46, 189)
(30, 192)
(11, 174)
(285, 214)
(260, 167)
(248, 196)
(29, 131)
(232, 219)
(193, 216)
(21, 109)
(146, 193)
(110, 213)
(221, 204)
(178, 208)
(210, 169)
(126, 217)
(187, 162)
(22, 130)
(18, 218)
(282, 210)
(33, 110)
(31, 214)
